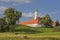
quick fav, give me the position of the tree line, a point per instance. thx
(8, 22)
(47, 21)
(11, 15)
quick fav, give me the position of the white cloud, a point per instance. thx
(32, 15)
(4, 0)
(28, 14)
(21, 1)
(2, 8)
(16, 1)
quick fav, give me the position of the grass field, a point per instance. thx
(39, 36)
(35, 29)
(29, 33)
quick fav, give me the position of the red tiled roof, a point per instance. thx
(31, 21)
(36, 21)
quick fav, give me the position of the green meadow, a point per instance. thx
(10, 30)
(31, 33)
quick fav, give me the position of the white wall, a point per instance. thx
(35, 25)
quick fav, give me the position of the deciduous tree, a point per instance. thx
(12, 15)
(46, 20)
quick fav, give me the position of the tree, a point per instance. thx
(57, 22)
(11, 16)
(2, 24)
(46, 20)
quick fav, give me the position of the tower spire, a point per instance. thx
(36, 14)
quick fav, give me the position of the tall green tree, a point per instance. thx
(12, 15)
(46, 20)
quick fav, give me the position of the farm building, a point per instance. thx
(37, 22)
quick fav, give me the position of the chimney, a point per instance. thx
(36, 14)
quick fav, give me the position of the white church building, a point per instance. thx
(37, 22)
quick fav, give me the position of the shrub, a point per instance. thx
(56, 29)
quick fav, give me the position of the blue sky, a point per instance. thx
(51, 7)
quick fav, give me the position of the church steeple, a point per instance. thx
(36, 14)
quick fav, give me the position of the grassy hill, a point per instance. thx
(33, 29)
(31, 33)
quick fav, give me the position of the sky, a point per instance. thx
(28, 7)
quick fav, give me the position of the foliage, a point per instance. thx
(8, 22)
(2, 24)
(56, 29)
(46, 20)
(12, 15)
(57, 23)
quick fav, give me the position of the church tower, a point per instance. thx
(36, 14)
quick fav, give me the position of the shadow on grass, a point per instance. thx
(27, 31)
